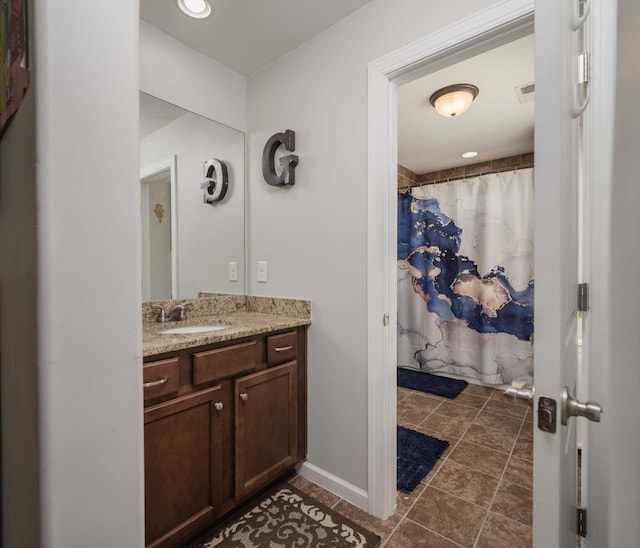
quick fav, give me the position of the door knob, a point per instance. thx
(571, 407)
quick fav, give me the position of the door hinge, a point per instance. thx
(582, 522)
(583, 68)
(583, 297)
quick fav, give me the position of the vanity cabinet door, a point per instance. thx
(182, 466)
(266, 426)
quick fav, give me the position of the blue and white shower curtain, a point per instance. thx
(465, 277)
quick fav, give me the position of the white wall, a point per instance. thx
(313, 235)
(89, 315)
(614, 444)
(209, 235)
(70, 301)
(173, 71)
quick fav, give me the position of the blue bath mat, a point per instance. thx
(417, 453)
(433, 384)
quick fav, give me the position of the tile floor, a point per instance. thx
(479, 494)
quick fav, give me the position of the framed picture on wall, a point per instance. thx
(14, 69)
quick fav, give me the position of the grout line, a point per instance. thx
(445, 459)
(476, 471)
(484, 521)
(391, 533)
(384, 543)
(442, 464)
(461, 437)
(427, 483)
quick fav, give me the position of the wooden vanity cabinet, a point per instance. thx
(230, 419)
(182, 445)
(266, 427)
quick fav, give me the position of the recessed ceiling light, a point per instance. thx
(198, 9)
(470, 154)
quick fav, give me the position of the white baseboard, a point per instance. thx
(336, 485)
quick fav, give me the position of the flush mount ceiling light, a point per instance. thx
(453, 100)
(470, 154)
(199, 9)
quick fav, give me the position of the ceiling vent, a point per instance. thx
(526, 92)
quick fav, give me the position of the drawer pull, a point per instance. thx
(244, 396)
(218, 406)
(283, 348)
(155, 383)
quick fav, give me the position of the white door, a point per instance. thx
(558, 141)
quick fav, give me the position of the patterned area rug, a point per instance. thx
(289, 518)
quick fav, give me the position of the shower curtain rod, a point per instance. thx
(462, 177)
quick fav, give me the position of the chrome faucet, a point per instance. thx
(162, 316)
(177, 313)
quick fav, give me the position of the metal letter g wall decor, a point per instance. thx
(288, 162)
(214, 188)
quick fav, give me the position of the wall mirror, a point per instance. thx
(188, 245)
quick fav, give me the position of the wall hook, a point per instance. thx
(214, 188)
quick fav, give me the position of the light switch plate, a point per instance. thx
(262, 271)
(233, 271)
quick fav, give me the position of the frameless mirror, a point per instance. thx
(188, 244)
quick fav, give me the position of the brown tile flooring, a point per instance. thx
(479, 494)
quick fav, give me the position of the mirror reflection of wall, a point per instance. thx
(204, 238)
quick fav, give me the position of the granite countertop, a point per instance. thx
(245, 316)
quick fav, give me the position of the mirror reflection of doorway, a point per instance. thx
(157, 228)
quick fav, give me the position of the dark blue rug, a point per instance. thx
(417, 453)
(433, 384)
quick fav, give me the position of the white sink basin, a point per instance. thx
(188, 329)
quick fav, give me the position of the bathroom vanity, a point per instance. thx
(225, 410)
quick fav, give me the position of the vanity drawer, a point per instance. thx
(282, 348)
(217, 364)
(160, 378)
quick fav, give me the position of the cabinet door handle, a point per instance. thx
(155, 383)
(283, 348)
(218, 406)
(244, 396)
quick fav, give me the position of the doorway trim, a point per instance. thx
(164, 167)
(482, 31)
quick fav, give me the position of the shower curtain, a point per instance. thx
(465, 277)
